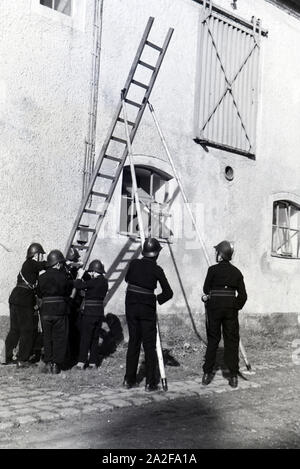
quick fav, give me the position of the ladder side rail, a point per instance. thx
(158, 64)
(110, 132)
(133, 175)
(179, 182)
(125, 153)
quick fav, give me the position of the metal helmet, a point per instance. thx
(54, 257)
(34, 248)
(151, 248)
(96, 266)
(225, 249)
(73, 255)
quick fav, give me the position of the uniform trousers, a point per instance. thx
(21, 331)
(226, 320)
(141, 321)
(90, 328)
(55, 332)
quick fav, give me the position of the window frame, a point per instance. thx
(161, 217)
(285, 236)
(76, 21)
(59, 11)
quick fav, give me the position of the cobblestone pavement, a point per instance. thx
(25, 405)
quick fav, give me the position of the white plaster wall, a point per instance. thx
(44, 95)
(240, 210)
(44, 76)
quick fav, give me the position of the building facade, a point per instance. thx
(228, 101)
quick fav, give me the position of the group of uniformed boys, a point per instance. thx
(71, 320)
(47, 286)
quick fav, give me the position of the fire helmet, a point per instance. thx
(73, 255)
(151, 248)
(34, 248)
(54, 257)
(225, 249)
(96, 266)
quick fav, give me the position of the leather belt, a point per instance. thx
(53, 299)
(23, 285)
(93, 303)
(222, 292)
(137, 289)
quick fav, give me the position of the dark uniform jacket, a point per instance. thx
(54, 284)
(95, 292)
(146, 273)
(23, 294)
(225, 275)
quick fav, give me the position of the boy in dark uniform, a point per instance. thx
(72, 266)
(54, 288)
(142, 277)
(222, 282)
(22, 302)
(92, 315)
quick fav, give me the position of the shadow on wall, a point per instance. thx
(117, 271)
(185, 297)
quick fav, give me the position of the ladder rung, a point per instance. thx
(99, 194)
(154, 46)
(117, 139)
(106, 176)
(128, 122)
(113, 158)
(138, 83)
(133, 103)
(144, 64)
(84, 228)
(80, 247)
(93, 212)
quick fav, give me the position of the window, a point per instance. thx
(286, 229)
(227, 84)
(63, 6)
(153, 191)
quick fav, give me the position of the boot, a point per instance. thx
(128, 385)
(151, 387)
(21, 364)
(233, 381)
(79, 366)
(207, 378)
(55, 369)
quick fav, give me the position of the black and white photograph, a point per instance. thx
(150, 228)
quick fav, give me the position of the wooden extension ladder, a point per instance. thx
(115, 149)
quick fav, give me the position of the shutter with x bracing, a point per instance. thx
(227, 85)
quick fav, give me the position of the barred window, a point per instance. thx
(227, 84)
(286, 229)
(152, 189)
(63, 6)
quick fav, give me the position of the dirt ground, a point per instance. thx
(263, 417)
(188, 352)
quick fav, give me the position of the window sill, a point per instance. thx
(137, 237)
(284, 257)
(219, 146)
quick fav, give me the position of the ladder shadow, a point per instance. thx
(119, 265)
